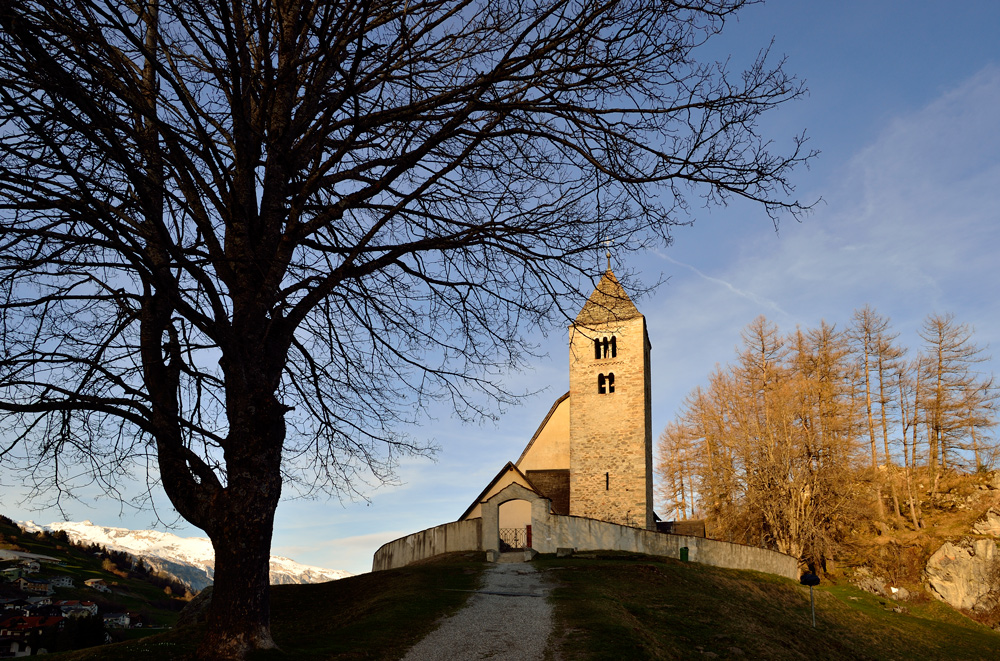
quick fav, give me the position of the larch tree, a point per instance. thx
(877, 356)
(907, 374)
(776, 435)
(863, 332)
(888, 358)
(249, 239)
(980, 418)
(675, 471)
(949, 383)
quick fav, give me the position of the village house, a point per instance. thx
(31, 566)
(97, 584)
(34, 585)
(72, 607)
(34, 602)
(61, 581)
(16, 631)
(116, 620)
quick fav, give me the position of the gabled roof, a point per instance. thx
(24, 622)
(503, 471)
(608, 303)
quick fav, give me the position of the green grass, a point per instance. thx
(608, 606)
(624, 607)
(371, 616)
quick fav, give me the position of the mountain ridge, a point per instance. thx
(190, 559)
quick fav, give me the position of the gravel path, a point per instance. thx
(509, 617)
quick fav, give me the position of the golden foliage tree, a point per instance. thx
(791, 445)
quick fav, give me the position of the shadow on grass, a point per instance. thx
(371, 616)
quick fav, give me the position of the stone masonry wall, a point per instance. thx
(553, 532)
(446, 538)
(610, 434)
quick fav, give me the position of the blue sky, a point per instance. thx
(904, 104)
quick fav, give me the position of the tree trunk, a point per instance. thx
(240, 528)
(913, 507)
(239, 617)
(895, 496)
(975, 448)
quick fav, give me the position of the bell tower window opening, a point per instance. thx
(605, 347)
(611, 382)
(601, 380)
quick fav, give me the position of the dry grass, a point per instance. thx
(631, 607)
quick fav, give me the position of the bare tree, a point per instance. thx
(675, 471)
(251, 238)
(950, 381)
(979, 418)
(908, 389)
(876, 356)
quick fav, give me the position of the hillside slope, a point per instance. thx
(608, 606)
(896, 553)
(153, 600)
(613, 606)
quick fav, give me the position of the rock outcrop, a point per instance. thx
(964, 574)
(864, 579)
(989, 524)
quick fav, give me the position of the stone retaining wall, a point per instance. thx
(446, 538)
(591, 535)
(584, 534)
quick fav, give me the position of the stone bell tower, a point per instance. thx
(610, 429)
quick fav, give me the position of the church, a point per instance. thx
(585, 479)
(592, 455)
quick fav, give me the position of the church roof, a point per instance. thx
(608, 303)
(509, 467)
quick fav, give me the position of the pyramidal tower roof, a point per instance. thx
(608, 303)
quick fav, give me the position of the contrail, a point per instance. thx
(719, 281)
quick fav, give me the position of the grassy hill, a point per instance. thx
(607, 606)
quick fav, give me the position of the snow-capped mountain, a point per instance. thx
(190, 559)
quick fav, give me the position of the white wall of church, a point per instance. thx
(549, 449)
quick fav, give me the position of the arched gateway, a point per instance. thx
(490, 509)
